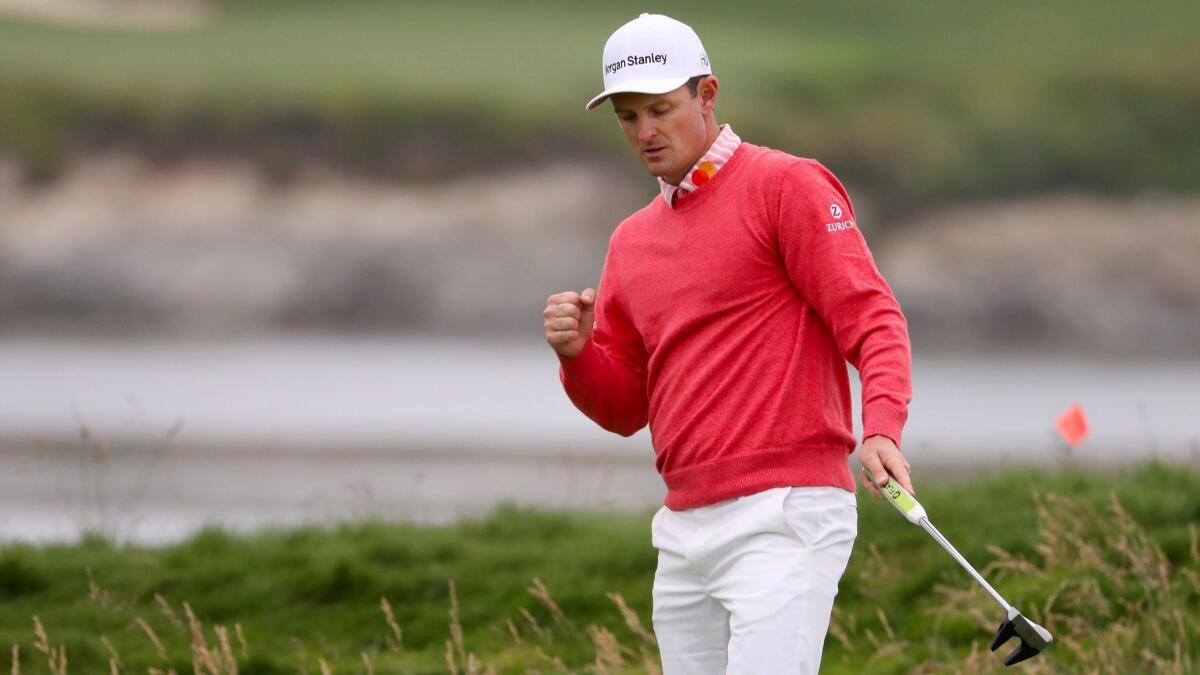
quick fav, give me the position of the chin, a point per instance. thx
(660, 170)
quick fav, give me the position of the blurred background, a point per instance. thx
(281, 262)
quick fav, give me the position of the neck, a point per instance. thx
(714, 130)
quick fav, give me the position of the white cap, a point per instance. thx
(652, 54)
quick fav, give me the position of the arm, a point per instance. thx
(602, 361)
(831, 266)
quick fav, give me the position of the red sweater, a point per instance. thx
(727, 322)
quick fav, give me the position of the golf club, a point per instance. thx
(1034, 638)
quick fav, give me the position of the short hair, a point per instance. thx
(693, 84)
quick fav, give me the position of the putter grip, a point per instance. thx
(904, 502)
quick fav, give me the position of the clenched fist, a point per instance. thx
(569, 317)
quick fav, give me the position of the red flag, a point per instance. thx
(1073, 425)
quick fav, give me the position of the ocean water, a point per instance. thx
(149, 441)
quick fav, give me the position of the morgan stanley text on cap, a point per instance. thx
(652, 54)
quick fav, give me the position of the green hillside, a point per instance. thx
(914, 101)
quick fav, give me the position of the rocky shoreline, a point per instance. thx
(122, 247)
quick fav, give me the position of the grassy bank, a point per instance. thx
(1108, 562)
(919, 102)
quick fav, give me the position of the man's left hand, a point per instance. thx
(883, 459)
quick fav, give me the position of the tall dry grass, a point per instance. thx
(1113, 599)
(1106, 591)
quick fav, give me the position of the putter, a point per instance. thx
(1034, 638)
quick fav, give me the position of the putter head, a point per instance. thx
(1033, 637)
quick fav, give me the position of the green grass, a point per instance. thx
(915, 101)
(1109, 585)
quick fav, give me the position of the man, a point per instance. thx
(727, 310)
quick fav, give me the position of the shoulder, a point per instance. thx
(790, 171)
(797, 186)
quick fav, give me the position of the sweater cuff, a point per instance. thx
(572, 367)
(884, 419)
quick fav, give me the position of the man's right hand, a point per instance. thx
(569, 317)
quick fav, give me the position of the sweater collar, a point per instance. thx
(708, 165)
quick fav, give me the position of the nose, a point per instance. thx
(647, 132)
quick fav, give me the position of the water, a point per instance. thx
(150, 441)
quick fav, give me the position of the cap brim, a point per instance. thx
(644, 86)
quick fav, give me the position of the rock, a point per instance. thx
(1069, 273)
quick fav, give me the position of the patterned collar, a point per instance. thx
(712, 161)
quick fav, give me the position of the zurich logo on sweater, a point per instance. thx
(838, 224)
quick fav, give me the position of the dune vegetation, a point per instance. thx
(1109, 562)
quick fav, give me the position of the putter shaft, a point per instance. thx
(937, 536)
(915, 513)
(1034, 638)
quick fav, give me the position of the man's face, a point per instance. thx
(667, 132)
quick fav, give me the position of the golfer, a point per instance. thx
(727, 310)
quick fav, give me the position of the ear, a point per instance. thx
(708, 93)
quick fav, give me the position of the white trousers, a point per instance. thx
(746, 586)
